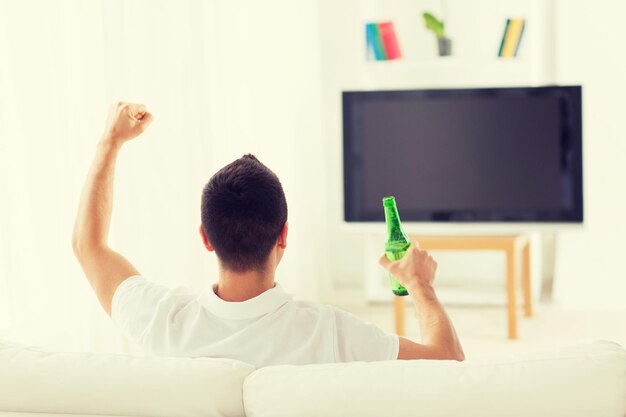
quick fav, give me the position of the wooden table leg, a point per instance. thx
(528, 308)
(399, 312)
(511, 272)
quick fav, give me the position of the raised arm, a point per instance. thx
(104, 268)
(416, 272)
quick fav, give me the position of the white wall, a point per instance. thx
(222, 79)
(268, 102)
(590, 269)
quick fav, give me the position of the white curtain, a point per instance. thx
(222, 78)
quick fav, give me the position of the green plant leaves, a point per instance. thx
(434, 24)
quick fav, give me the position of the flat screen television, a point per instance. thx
(504, 155)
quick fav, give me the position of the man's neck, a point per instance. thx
(242, 286)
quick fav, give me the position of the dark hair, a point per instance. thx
(243, 212)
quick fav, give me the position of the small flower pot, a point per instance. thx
(445, 46)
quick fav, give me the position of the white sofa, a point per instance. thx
(585, 380)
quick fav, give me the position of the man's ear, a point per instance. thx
(282, 237)
(205, 240)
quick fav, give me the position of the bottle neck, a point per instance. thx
(394, 228)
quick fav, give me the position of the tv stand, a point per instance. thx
(512, 245)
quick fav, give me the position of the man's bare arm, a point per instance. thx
(416, 272)
(105, 269)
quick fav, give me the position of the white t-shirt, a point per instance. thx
(270, 329)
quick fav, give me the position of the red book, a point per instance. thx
(389, 39)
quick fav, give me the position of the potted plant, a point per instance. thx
(437, 27)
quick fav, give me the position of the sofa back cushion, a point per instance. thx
(84, 383)
(586, 380)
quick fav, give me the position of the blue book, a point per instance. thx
(369, 37)
(374, 42)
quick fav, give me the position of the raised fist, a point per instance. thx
(126, 121)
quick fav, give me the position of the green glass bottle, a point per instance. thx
(397, 241)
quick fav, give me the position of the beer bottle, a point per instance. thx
(397, 241)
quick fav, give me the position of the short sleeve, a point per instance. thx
(133, 305)
(361, 341)
(142, 310)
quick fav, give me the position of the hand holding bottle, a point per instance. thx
(415, 271)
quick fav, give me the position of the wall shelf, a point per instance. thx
(447, 73)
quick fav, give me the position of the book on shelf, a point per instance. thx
(511, 38)
(382, 42)
(375, 49)
(390, 40)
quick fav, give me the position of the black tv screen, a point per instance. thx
(464, 155)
